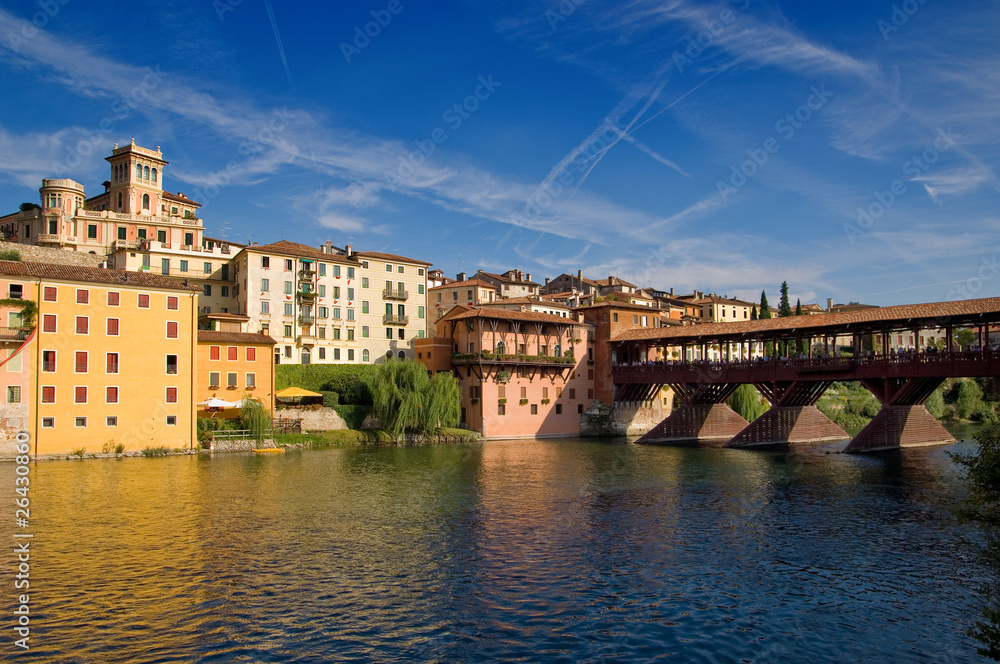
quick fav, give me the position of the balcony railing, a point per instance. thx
(306, 295)
(395, 294)
(14, 333)
(395, 320)
(307, 275)
(487, 357)
(306, 319)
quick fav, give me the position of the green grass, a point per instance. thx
(356, 438)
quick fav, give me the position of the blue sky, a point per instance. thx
(850, 148)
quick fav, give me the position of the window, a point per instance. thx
(265, 307)
(225, 291)
(336, 353)
(572, 393)
(80, 421)
(336, 271)
(171, 420)
(420, 312)
(350, 354)
(48, 323)
(214, 352)
(225, 272)
(265, 262)
(350, 334)
(171, 364)
(49, 293)
(111, 394)
(534, 409)
(614, 317)
(322, 333)
(350, 272)
(365, 356)
(265, 285)
(364, 282)
(558, 409)
(252, 379)
(251, 354)
(336, 334)
(288, 330)
(213, 379)
(288, 309)
(232, 379)
(336, 313)
(388, 333)
(232, 353)
(144, 300)
(92, 231)
(189, 239)
(80, 394)
(82, 296)
(48, 394)
(207, 290)
(388, 267)
(112, 363)
(501, 409)
(171, 395)
(207, 268)
(82, 324)
(579, 408)
(364, 306)
(321, 268)
(111, 421)
(350, 293)
(171, 329)
(122, 233)
(172, 302)
(350, 314)
(288, 288)
(13, 394)
(288, 265)
(113, 327)
(420, 289)
(322, 353)
(49, 422)
(399, 269)
(81, 361)
(364, 331)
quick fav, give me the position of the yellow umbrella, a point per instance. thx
(291, 392)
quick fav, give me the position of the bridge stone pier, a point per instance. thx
(901, 381)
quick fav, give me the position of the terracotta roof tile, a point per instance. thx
(513, 314)
(468, 282)
(91, 275)
(287, 248)
(930, 314)
(208, 336)
(389, 257)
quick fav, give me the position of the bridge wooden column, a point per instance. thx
(903, 421)
(792, 418)
(702, 415)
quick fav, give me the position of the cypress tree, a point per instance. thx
(798, 307)
(765, 310)
(753, 312)
(784, 308)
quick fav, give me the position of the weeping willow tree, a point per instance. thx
(746, 401)
(405, 398)
(256, 420)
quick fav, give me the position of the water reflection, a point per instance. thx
(540, 550)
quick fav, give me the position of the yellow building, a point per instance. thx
(232, 365)
(112, 360)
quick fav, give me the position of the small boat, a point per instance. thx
(270, 450)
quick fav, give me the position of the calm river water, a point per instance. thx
(533, 551)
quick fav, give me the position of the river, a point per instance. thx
(534, 551)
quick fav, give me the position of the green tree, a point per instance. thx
(255, 419)
(798, 307)
(747, 401)
(935, 403)
(765, 310)
(405, 399)
(982, 506)
(784, 307)
(964, 337)
(970, 399)
(753, 312)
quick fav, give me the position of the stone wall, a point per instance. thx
(623, 419)
(324, 419)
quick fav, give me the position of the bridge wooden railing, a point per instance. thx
(903, 365)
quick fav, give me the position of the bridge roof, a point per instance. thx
(900, 317)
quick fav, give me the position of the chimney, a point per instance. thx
(579, 278)
(829, 304)
(529, 276)
(610, 280)
(347, 250)
(671, 291)
(460, 276)
(546, 282)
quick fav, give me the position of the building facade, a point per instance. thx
(112, 358)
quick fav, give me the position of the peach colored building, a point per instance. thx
(522, 374)
(467, 292)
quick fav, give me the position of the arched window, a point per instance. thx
(145, 201)
(146, 177)
(388, 354)
(500, 348)
(557, 351)
(119, 201)
(138, 171)
(365, 356)
(402, 355)
(154, 175)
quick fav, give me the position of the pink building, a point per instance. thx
(522, 373)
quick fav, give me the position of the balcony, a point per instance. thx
(14, 333)
(306, 319)
(395, 320)
(486, 357)
(307, 275)
(394, 294)
(306, 296)
(306, 340)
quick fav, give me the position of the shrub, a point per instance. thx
(747, 402)
(349, 381)
(354, 415)
(405, 398)
(80, 451)
(119, 448)
(970, 399)
(158, 451)
(330, 399)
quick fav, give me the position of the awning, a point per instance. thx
(292, 392)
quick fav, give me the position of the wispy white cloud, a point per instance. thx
(954, 181)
